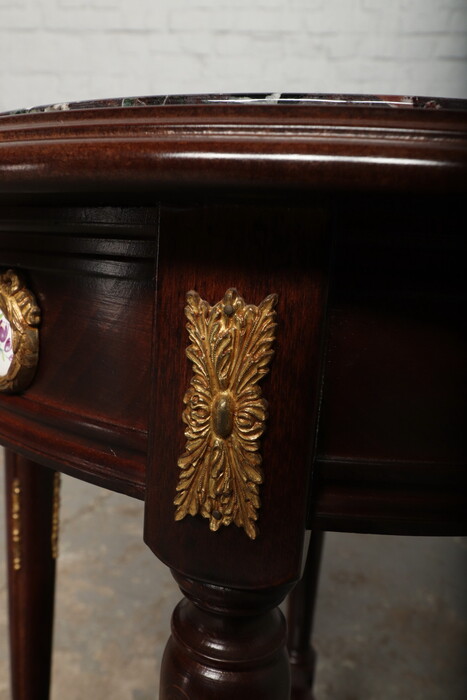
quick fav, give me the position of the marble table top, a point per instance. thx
(394, 101)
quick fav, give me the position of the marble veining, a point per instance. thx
(312, 99)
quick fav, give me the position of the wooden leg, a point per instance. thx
(301, 608)
(32, 528)
(226, 645)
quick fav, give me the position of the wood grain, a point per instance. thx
(217, 147)
(355, 217)
(258, 251)
(31, 586)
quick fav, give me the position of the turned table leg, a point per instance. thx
(32, 521)
(301, 608)
(237, 357)
(226, 644)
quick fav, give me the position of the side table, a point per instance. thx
(249, 311)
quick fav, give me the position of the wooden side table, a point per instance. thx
(251, 313)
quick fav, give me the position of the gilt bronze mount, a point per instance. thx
(19, 335)
(225, 414)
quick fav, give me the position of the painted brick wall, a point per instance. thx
(57, 50)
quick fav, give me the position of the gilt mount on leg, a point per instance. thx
(225, 414)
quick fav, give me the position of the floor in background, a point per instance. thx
(391, 621)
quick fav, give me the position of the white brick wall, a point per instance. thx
(59, 50)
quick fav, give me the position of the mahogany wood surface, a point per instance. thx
(259, 251)
(218, 146)
(300, 616)
(31, 587)
(92, 271)
(354, 216)
(392, 451)
(226, 643)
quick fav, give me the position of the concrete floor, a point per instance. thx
(391, 621)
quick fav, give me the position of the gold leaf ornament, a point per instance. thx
(225, 414)
(19, 335)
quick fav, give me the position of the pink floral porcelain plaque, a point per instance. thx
(6, 345)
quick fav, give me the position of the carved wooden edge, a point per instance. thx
(19, 307)
(225, 414)
(349, 148)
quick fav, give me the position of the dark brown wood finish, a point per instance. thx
(226, 643)
(300, 615)
(100, 209)
(273, 147)
(31, 587)
(259, 251)
(392, 449)
(92, 271)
